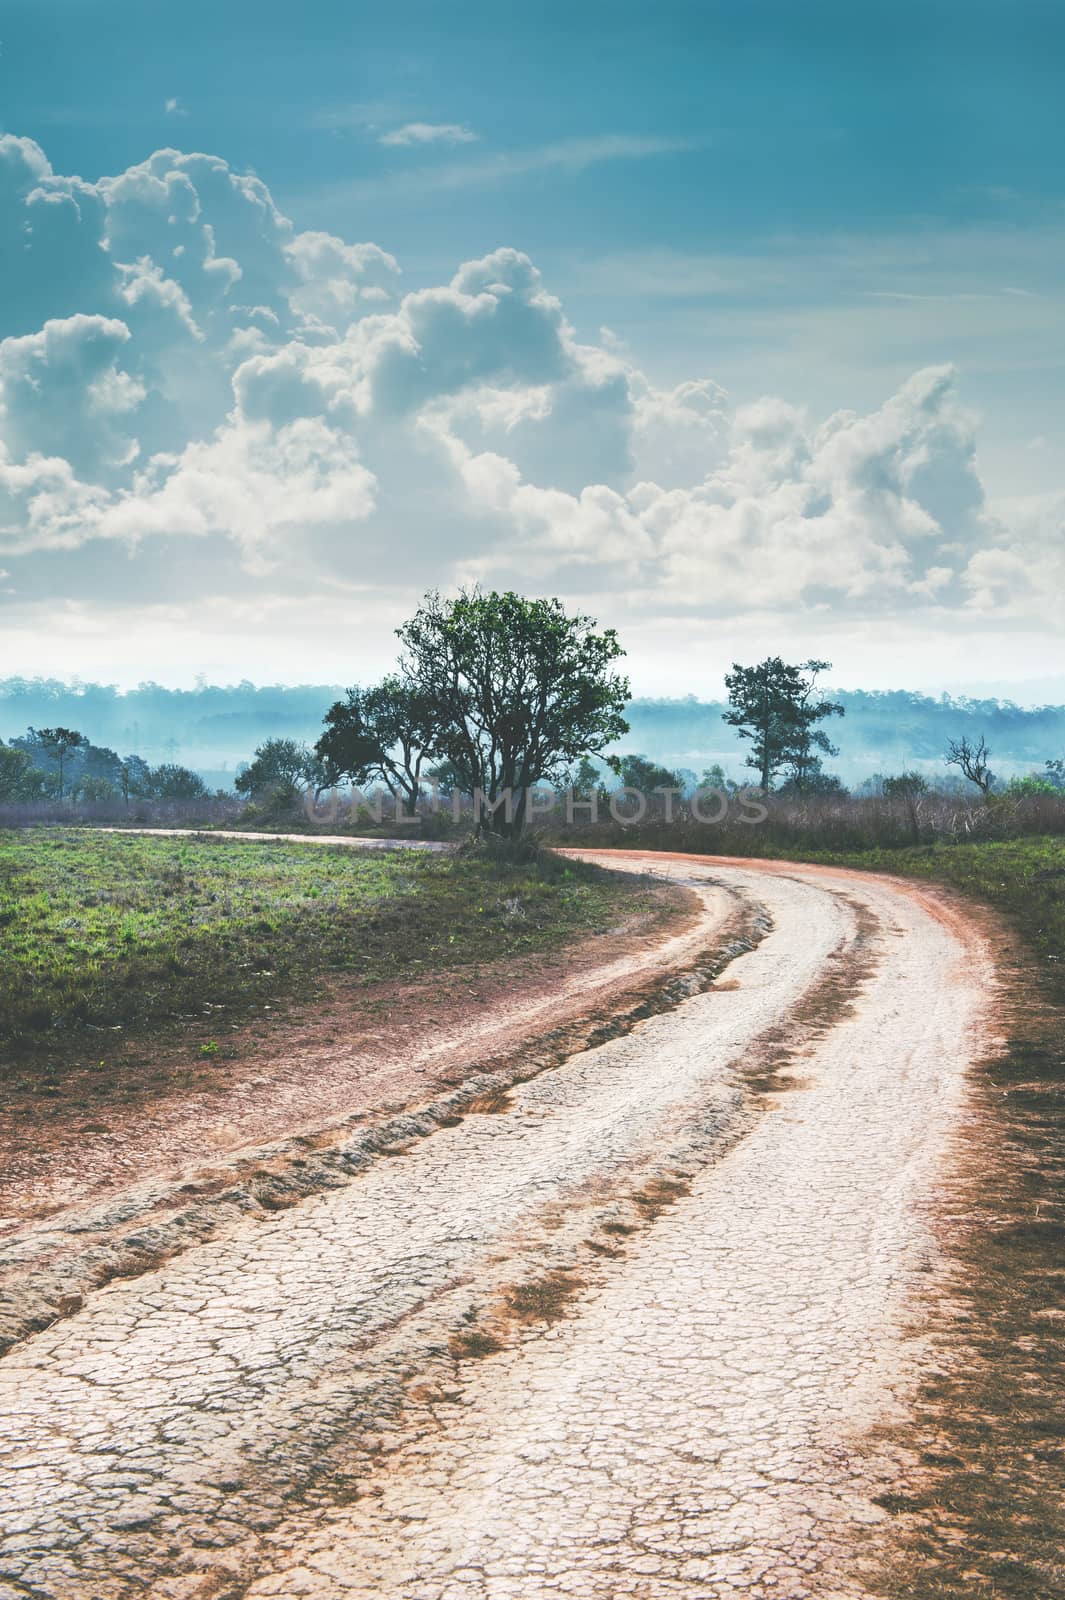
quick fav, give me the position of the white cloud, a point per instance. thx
(866, 514)
(43, 506)
(175, 107)
(181, 368)
(262, 486)
(332, 278)
(429, 133)
(501, 166)
(64, 392)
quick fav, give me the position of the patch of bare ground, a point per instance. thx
(175, 1104)
(48, 1266)
(620, 1210)
(978, 1506)
(777, 1065)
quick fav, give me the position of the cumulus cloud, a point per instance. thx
(262, 486)
(870, 513)
(65, 392)
(178, 363)
(429, 133)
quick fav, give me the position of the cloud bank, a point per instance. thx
(181, 369)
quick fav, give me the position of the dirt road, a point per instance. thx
(628, 1330)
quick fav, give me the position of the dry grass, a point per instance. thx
(543, 1299)
(658, 1195)
(473, 1344)
(795, 825)
(492, 1103)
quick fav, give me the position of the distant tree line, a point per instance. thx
(492, 695)
(212, 726)
(62, 764)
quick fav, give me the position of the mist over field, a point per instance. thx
(213, 729)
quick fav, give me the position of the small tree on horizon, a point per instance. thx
(973, 761)
(57, 744)
(170, 781)
(809, 742)
(906, 785)
(642, 773)
(279, 772)
(134, 778)
(19, 778)
(773, 705)
(586, 778)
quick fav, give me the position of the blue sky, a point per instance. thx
(805, 201)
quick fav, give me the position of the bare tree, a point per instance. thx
(973, 761)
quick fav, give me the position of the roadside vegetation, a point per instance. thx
(106, 935)
(1024, 878)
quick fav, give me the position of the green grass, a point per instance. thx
(107, 934)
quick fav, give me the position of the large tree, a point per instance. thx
(520, 691)
(384, 733)
(774, 705)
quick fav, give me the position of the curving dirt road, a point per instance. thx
(628, 1329)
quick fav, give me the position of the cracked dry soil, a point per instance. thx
(630, 1330)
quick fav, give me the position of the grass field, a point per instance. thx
(106, 934)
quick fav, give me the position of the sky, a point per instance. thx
(737, 324)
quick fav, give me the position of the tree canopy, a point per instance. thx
(774, 705)
(639, 772)
(279, 773)
(518, 689)
(57, 744)
(386, 732)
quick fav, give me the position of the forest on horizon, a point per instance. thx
(215, 728)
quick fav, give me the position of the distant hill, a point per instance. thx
(214, 728)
